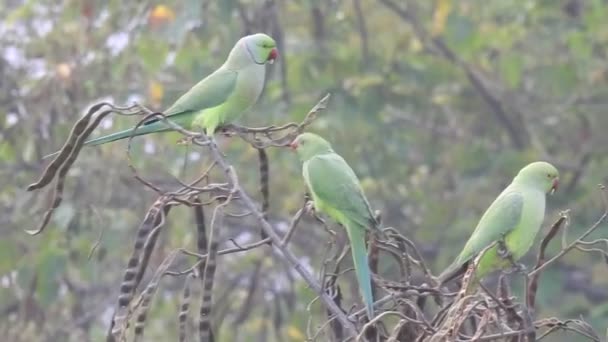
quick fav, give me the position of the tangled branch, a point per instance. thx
(404, 313)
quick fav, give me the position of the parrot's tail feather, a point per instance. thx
(453, 271)
(144, 129)
(141, 130)
(356, 235)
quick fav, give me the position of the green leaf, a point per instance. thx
(560, 78)
(460, 31)
(7, 152)
(580, 45)
(190, 54)
(511, 66)
(22, 12)
(8, 255)
(226, 7)
(153, 53)
(595, 16)
(51, 264)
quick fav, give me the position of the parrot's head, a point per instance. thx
(308, 145)
(540, 174)
(261, 48)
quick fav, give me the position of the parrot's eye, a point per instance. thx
(548, 175)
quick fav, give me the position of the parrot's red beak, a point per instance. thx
(555, 185)
(274, 54)
(293, 145)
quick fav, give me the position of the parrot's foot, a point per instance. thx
(516, 268)
(185, 141)
(381, 235)
(329, 231)
(378, 216)
(309, 208)
(502, 249)
(226, 131)
(520, 268)
(503, 252)
(213, 144)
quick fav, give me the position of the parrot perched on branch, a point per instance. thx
(515, 218)
(336, 191)
(219, 98)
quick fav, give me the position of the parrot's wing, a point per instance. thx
(502, 217)
(335, 183)
(210, 92)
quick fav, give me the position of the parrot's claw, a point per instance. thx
(226, 132)
(503, 252)
(309, 208)
(323, 223)
(520, 268)
(185, 141)
(212, 142)
(331, 232)
(502, 249)
(516, 268)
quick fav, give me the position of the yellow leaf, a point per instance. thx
(441, 99)
(597, 76)
(64, 71)
(367, 184)
(416, 45)
(155, 93)
(295, 334)
(161, 14)
(440, 16)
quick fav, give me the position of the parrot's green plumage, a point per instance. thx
(515, 217)
(336, 191)
(219, 98)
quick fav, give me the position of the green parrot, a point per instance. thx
(336, 191)
(515, 217)
(219, 98)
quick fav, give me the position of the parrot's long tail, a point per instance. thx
(153, 127)
(141, 130)
(356, 234)
(452, 272)
(457, 270)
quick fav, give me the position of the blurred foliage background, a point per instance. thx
(436, 105)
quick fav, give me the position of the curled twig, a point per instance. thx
(579, 241)
(205, 332)
(289, 131)
(575, 325)
(153, 220)
(540, 259)
(144, 300)
(67, 155)
(264, 184)
(184, 308)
